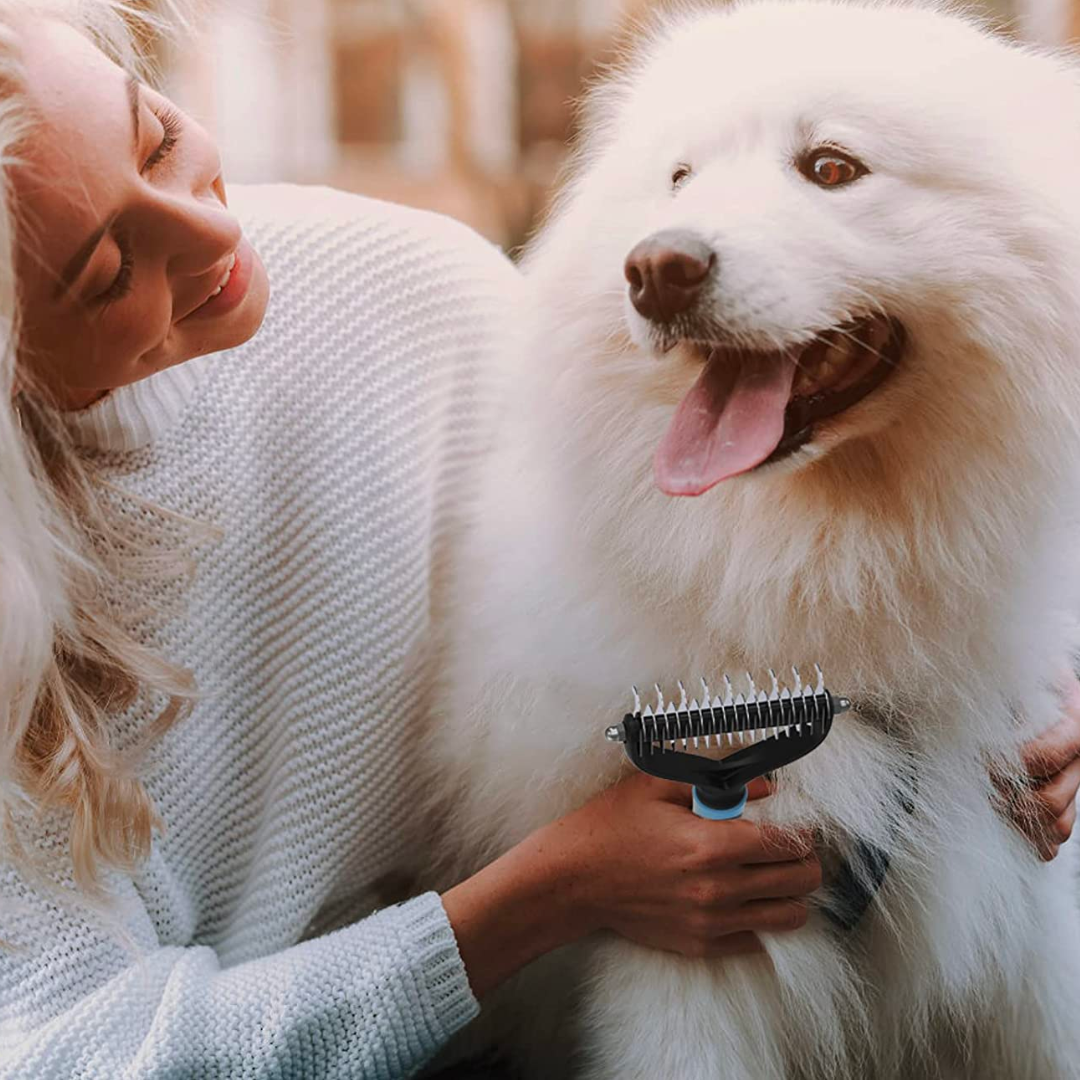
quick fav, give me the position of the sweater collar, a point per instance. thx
(132, 417)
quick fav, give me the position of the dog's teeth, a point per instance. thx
(877, 335)
(841, 351)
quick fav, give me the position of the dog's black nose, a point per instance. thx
(666, 272)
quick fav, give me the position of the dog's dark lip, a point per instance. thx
(803, 413)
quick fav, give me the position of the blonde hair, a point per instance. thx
(66, 662)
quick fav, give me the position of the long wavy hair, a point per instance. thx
(66, 662)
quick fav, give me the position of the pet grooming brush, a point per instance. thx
(773, 728)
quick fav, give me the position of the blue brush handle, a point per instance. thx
(708, 812)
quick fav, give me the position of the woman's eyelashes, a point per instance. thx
(121, 285)
(172, 125)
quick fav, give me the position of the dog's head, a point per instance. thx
(816, 224)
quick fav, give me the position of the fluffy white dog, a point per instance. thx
(801, 383)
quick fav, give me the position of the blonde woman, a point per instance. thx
(226, 481)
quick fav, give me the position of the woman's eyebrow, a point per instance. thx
(132, 87)
(77, 263)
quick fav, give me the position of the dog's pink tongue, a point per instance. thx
(731, 419)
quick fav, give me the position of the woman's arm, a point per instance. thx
(634, 860)
(378, 998)
(372, 1001)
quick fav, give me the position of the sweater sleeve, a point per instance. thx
(371, 1001)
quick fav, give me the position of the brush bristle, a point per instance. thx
(741, 716)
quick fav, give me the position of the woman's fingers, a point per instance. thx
(1063, 827)
(781, 880)
(1058, 746)
(758, 788)
(770, 915)
(709, 947)
(1057, 796)
(1047, 814)
(1045, 809)
(750, 843)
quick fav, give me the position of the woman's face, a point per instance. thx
(124, 235)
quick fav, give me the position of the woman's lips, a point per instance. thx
(237, 281)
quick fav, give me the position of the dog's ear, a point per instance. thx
(607, 90)
(643, 29)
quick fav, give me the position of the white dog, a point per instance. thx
(801, 383)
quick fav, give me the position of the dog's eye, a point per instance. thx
(830, 168)
(680, 176)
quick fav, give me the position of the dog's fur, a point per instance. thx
(921, 547)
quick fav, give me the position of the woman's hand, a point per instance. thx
(647, 868)
(637, 861)
(1046, 812)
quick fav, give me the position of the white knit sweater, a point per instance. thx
(331, 450)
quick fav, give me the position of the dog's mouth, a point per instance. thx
(748, 408)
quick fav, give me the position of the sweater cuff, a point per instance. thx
(447, 998)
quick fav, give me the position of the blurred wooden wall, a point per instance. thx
(462, 106)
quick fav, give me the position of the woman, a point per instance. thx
(216, 586)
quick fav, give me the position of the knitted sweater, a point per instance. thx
(330, 451)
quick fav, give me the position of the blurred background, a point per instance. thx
(462, 106)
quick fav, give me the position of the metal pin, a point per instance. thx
(706, 697)
(682, 709)
(694, 708)
(721, 721)
(774, 695)
(820, 687)
(729, 701)
(615, 733)
(752, 720)
(661, 719)
(763, 714)
(751, 697)
(637, 701)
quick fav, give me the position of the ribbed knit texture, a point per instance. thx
(331, 452)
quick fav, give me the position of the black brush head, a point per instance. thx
(774, 729)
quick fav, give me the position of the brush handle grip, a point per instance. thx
(703, 810)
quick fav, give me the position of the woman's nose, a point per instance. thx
(202, 232)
